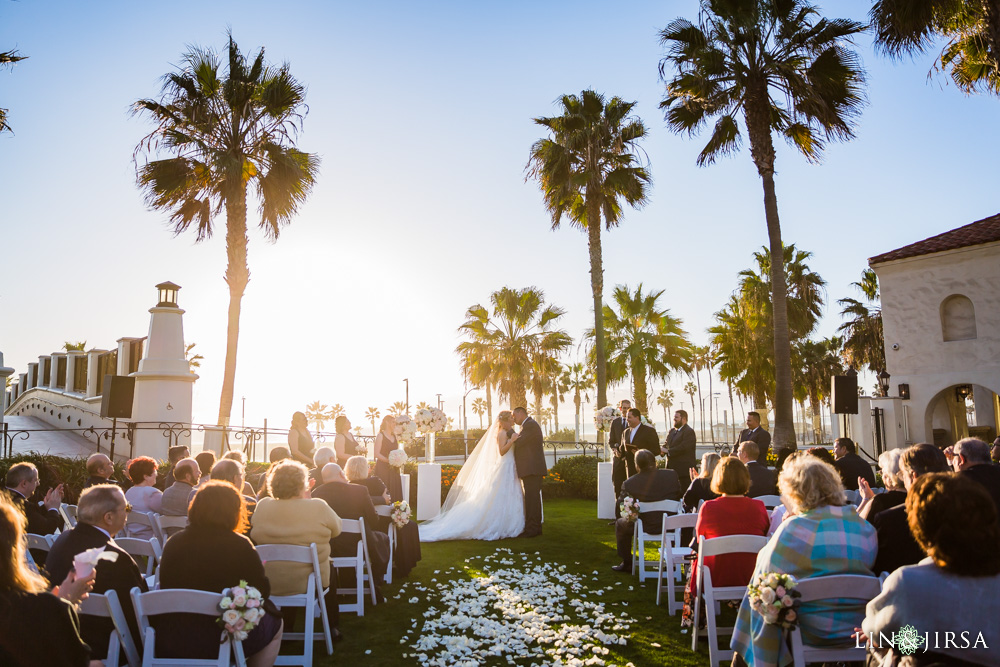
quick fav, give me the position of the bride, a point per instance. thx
(486, 501)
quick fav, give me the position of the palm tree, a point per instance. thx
(78, 346)
(318, 413)
(226, 131)
(865, 343)
(666, 400)
(7, 59)
(559, 385)
(422, 405)
(194, 360)
(817, 362)
(588, 164)
(643, 341)
(479, 408)
(783, 68)
(478, 366)
(398, 408)
(579, 380)
(513, 334)
(543, 366)
(971, 28)
(337, 410)
(699, 356)
(689, 389)
(372, 413)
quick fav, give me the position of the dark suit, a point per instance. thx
(620, 461)
(763, 481)
(852, 466)
(644, 437)
(353, 501)
(989, 476)
(41, 521)
(896, 545)
(529, 459)
(648, 485)
(121, 576)
(759, 436)
(680, 449)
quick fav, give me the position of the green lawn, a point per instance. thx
(573, 538)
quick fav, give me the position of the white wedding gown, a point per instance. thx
(486, 501)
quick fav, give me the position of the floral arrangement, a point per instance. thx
(773, 596)
(397, 458)
(400, 513)
(604, 416)
(360, 449)
(430, 420)
(242, 608)
(405, 430)
(629, 508)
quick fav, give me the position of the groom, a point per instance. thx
(529, 458)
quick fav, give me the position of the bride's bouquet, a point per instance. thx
(397, 458)
(241, 611)
(604, 416)
(405, 430)
(773, 596)
(400, 513)
(430, 420)
(629, 509)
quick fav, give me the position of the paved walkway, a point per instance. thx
(44, 440)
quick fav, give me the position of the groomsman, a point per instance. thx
(755, 433)
(620, 456)
(680, 447)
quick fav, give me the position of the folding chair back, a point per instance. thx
(640, 537)
(108, 606)
(852, 586)
(770, 502)
(149, 549)
(673, 556)
(68, 513)
(168, 525)
(357, 563)
(853, 497)
(386, 511)
(142, 519)
(40, 542)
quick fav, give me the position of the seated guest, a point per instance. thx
(872, 503)
(701, 483)
(174, 454)
(357, 472)
(39, 628)
(100, 515)
(821, 537)
(143, 495)
(239, 457)
(206, 460)
(896, 544)
(211, 555)
(291, 516)
(321, 457)
(231, 470)
(351, 501)
(954, 590)
(21, 482)
(178, 495)
(823, 454)
(99, 470)
(733, 513)
(851, 466)
(762, 480)
(276, 455)
(648, 484)
(972, 460)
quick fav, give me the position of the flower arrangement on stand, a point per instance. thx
(430, 421)
(242, 609)
(398, 458)
(773, 596)
(405, 429)
(604, 416)
(400, 513)
(629, 509)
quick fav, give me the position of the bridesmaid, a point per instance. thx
(385, 442)
(300, 441)
(344, 444)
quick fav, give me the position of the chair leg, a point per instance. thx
(671, 591)
(325, 621)
(359, 575)
(697, 619)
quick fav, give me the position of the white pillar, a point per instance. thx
(94, 383)
(5, 372)
(43, 377)
(428, 490)
(71, 360)
(56, 356)
(32, 374)
(605, 491)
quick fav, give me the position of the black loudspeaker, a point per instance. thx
(844, 394)
(116, 398)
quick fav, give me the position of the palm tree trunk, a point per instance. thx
(639, 379)
(489, 402)
(237, 276)
(701, 403)
(555, 405)
(711, 419)
(576, 415)
(597, 288)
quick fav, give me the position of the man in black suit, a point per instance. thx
(763, 481)
(622, 462)
(680, 449)
(529, 459)
(21, 482)
(754, 433)
(100, 469)
(101, 513)
(850, 465)
(639, 436)
(648, 485)
(972, 459)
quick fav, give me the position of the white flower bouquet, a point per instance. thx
(604, 416)
(397, 458)
(405, 430)
(430, 420)
(360, 449)
(400, 513)
(629, 508)
(773, 596)
(242, 608)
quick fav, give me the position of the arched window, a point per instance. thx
(958, 318)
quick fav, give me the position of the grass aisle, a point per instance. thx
(574, 540)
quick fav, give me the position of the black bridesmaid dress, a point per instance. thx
(388, 473)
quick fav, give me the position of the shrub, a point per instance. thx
(55, 470)
(562, 435)
(554, 486)
(580, 475)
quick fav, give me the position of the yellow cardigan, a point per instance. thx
(300, 521)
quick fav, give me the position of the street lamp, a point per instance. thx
(439, 400)
(465, 420)
(407, 381)
(883, 383)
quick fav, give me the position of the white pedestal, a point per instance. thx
(404, 479)
(428, 491)
(605, 491)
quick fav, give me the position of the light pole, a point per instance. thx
(715, 419)
(439, 400)
(243, 414)
(407, 381)
(465, 420)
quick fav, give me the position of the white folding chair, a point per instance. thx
(311, 601)
(145, 519)
(40, 542)
(853, 497)
(640, 537)
(850, 586)
(168, 525)
(181, 601)
(108, 606)
(359, 563)
(68, 513)
(148, 549)
(717, 546)
(386, 511)
(770, 502)
(672, 557)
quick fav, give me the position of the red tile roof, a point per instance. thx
(982, 231)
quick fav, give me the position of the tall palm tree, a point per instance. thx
(398, 408)
(8, 59)
(580, 380)
(372, 414)
(513, 332)
(194, 359)
(587, 165)
(699, 355)
(318, 413)
(226, 130)
(666, 400)
(558, 385)
(818, 361)
(971, 28)
(689, 389)
(543, 364)
(784, 68)
(643, 341)
(337, 410)
(865, 343)
(479, 408)
(478, 366)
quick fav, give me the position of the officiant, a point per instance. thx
(638, 436)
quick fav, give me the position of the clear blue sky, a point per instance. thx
(421, 113)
